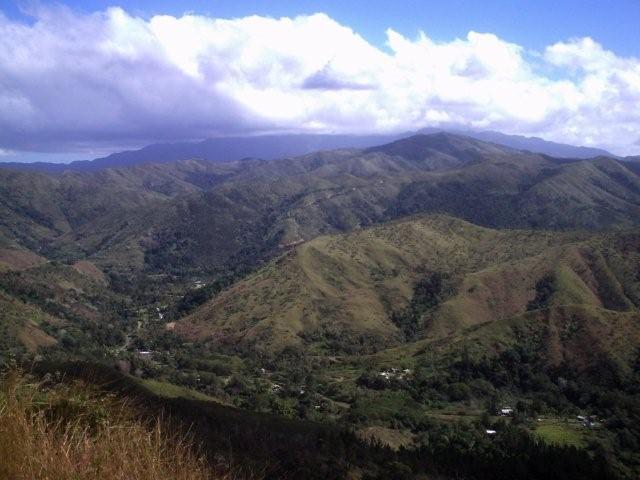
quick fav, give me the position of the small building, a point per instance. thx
(591, 422)
(395, 373)
(506, 411)
(491, 432)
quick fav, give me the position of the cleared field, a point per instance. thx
(558, 432)
(169, 390)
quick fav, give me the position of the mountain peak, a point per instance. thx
(421, 146)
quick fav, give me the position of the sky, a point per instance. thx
(80, 79)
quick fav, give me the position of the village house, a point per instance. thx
(394, 372)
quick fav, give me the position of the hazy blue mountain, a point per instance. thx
(270, 147)
(532, 144)
(267, 147)
(633, 164)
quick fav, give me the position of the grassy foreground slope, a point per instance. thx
(57, 431)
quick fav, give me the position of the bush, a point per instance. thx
(459, 391)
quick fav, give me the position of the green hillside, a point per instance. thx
(21, 327)
(337, 291)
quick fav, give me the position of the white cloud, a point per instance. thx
(70, 81)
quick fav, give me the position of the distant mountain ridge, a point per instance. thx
(537, 145)
(269, 147)
(194, 215)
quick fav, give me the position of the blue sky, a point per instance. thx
(531, 23)
(80, 79)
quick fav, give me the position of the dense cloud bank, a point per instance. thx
(70, 81)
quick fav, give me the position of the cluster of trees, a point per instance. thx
(340, 341)
(607, 388)
(431, 290)
(466, 451)
(545, 287)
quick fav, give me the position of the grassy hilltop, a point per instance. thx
(359, 287)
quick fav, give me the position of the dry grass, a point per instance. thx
(57, 431)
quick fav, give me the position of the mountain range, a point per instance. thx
(199, 214)
(381, 287)
(270, 147)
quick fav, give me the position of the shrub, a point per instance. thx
(459, 391)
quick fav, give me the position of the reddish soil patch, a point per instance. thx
(90, 270)
(16, 259)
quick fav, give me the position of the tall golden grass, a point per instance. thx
(56, 431)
